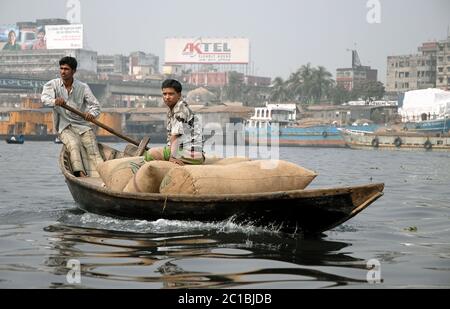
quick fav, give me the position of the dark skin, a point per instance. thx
(67, 73)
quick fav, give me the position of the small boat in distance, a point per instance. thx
(15, 139)
(396, 140)
(426, 110)
(276, 123)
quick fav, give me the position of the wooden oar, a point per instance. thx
(142, 146)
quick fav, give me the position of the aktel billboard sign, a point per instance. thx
(207, 51)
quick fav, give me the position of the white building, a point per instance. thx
(283, 114)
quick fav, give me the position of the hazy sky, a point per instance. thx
(284, 34)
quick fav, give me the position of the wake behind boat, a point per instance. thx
(308, 211)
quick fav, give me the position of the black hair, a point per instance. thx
(70, 61)
(172, 83)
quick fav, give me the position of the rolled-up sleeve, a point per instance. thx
(48, 94)
(92, 104)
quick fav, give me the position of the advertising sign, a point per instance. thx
(13, 38)
(207, 51)
(8, 37)
(64, 36)
(4, 31)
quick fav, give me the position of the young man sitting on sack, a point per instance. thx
(184, 130)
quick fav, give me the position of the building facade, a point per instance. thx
(344, 115)
(411, 72)
(443, 64)
(428, 69)
(348, 78)
(142, 65)
(220, 79)
(45, 62)
(113, 64)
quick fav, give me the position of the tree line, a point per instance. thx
(314, 85)
(307, 85)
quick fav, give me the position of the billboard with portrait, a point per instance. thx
(8, 33)
(13, 38)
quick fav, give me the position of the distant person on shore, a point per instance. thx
(74, 131)
(12, 42)
(184, 130)
(40, 42)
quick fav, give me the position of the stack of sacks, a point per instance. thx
(149, 177)
(117, 173)
(238, 178)
(236, 175)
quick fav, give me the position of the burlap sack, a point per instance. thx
(239, 178)
(117, 173)
(148, 178)
(211, 160)
(231, 160)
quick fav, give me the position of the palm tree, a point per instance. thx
(306, 85)
(279, 92)
(321, 83)
(307, 78)
(233, 91)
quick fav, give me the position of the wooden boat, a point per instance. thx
(307, 211)
(15, 140)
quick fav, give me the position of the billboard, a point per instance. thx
(4, 31)
(207, 51)
(64, 36)
(13, 38)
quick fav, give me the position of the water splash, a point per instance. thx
(163, 226)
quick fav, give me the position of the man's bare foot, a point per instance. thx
(80, 174)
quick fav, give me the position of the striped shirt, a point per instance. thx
(182, 121)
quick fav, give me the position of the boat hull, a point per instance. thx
(14, 142)
(438, 125)
(400, 141)
(326, 136)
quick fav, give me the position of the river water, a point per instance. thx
(406, 233)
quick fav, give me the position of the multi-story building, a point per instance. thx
(220, 79)
(348, 78)
(142, 64)
(428, 69)
(211, 79)
(443, 64)
(411, 72)
(113, 64)
(45, 62)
